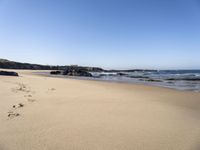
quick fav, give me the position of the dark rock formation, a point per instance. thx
(150, 80)
(121, 74)
(76, 71)
(184, 79)
(8, 73)
(7, 64)
(153, 80)
(55, 72)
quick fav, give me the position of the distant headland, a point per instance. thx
(7, 64)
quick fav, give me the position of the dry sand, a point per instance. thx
(44, 113)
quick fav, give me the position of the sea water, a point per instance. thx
(177, 79)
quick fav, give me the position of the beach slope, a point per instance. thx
(45, 113)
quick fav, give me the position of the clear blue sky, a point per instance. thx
(156, 34)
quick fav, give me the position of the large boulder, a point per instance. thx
(8, 73)
(76, 71)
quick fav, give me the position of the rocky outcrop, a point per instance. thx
(150, 80)
(55, 72)
(184, 79)
(8, 73)
(121, 74)
(76, 71)
(73, 71)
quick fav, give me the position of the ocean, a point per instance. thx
(176, 79)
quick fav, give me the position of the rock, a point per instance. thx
(8, 73)
(150, 80)
(184, 79)
(153, 80)
(76, 71)
(55, 72)
(121, 74)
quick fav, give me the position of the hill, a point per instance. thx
(7, 64)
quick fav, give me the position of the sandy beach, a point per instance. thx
(45, 113)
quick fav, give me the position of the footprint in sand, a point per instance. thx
(11, 114)
(31, 100)
(21, 88)
(51, 89)
(28, 95)
(18, 106)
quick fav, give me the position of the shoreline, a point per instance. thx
(112, 81)
(45, 73)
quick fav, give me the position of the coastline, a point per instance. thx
(151, 84)
(85, 114)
